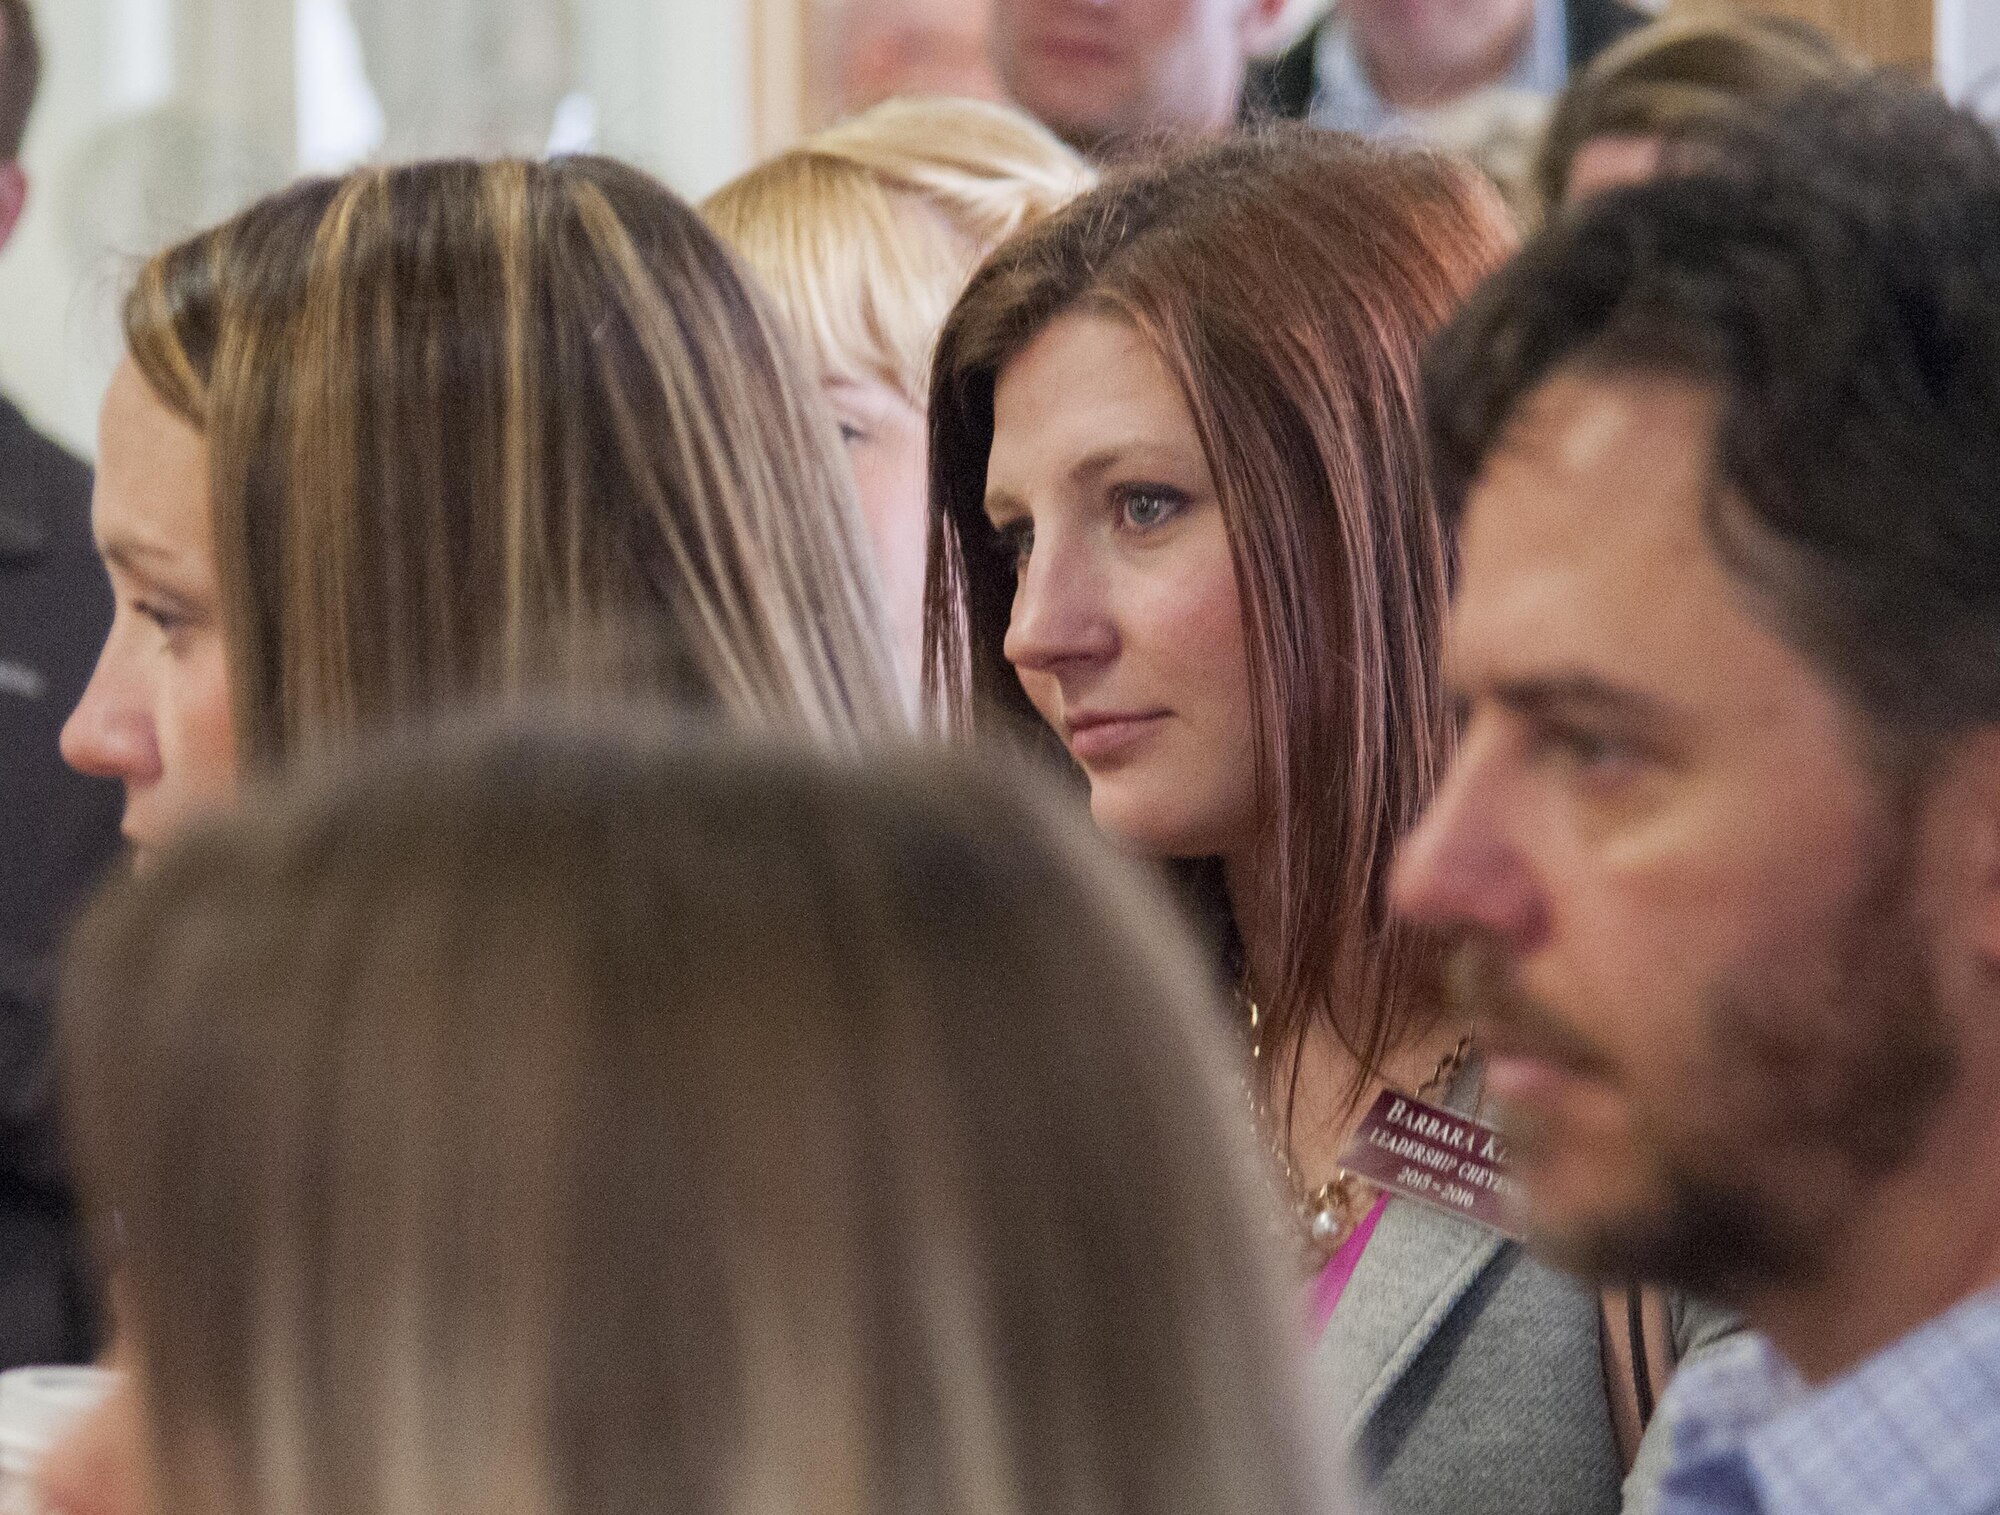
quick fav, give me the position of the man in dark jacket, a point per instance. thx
(1370, 64)
(58, 831)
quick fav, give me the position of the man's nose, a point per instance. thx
(1461, 868)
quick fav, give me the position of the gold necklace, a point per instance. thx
(1329, 1213)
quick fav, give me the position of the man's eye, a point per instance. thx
(1586, 751)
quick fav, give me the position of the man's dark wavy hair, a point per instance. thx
(1832, 276)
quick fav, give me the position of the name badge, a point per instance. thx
(1424, 1153)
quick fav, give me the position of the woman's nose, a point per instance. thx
(110, 734)
(1061, 616)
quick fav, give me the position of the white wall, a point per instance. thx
(52, 317)
(1968, 52)
(672, 78)
(158, 116)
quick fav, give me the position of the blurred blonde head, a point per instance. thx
(868, 232)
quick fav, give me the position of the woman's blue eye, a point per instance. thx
(1146, 508)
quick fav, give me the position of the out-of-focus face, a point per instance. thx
(889, 448)
(1442, 39)
(1127, 628)
(1697, 921)
(1095, 71)
(1610, 162)
(886, 48)
(156, 714)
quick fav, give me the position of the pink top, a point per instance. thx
(1332, 1282)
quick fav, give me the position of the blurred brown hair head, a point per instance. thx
(476, 427)
(579, 1120)
(20, 74)
(1288, 280)
(1680, 77)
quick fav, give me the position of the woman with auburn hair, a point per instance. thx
(447, 432)
(586, 1121)
(866, 233)
(1184, 538)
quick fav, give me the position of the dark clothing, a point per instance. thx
(58, 834)
(1286, 86)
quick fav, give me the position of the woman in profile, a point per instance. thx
(446, 433)
(866, 234)
(453, 431)
(1184, 539)
(540, 1122)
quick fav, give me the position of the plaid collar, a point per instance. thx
(1915, 1430)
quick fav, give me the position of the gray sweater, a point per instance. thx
(1469, 1376)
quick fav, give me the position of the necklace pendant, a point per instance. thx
(1330, 1213)
(1326, 1227)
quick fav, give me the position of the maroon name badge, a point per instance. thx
(1424, 1153)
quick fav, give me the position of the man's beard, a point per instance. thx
(1818, 1077)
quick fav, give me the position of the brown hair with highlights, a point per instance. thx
(482, 427)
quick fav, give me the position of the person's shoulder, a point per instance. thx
(21, 445)
(44, 488)
(1595, 24)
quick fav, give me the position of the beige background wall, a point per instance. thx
(1898, 32)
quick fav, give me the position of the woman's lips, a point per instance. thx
(1098, 739)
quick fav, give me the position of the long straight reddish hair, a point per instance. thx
(1289, 280)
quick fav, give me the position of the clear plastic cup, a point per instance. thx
(37, 1405)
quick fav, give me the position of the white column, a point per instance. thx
(672, 84)
(479, 77)
(1968, 52)
(234, 63)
